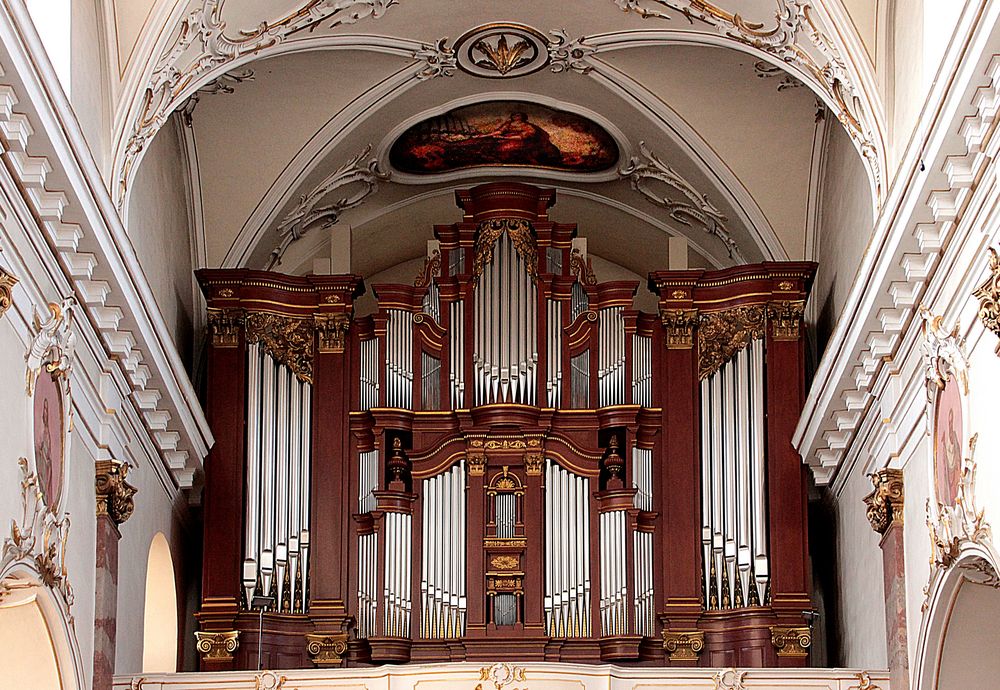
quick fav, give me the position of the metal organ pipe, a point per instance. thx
(399, 359)
(611, 357)
(734, 520)
(642, 370)
(442, 567)
(369, 373)
(278, 427)
(457, 343)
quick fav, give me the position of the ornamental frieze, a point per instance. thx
(288, 340)
(722, 334)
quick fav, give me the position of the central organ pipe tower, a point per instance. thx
(506, 457)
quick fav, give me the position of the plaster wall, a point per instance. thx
(88, 77)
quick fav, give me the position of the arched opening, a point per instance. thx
(968, 654)
(27, 648)
(159, 626)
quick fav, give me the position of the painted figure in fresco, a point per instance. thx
(518, 140)
(948, 444)
(48, 439)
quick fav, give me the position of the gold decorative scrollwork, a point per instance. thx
(579, 267)
(332, 332)
(791, 642)
(114, 493)
(533, 464)
(864, 682)
(988, 295)
(722, 334)
(683, 646)
(288, 340)
(680, 325)
(885, 503)
(7, 283)
(501, 675)
(217, 646)
(326, 649)
(477, 465)
(430, 270)
(961, 523)
(224, 326)
(504, 562)
(786, 317)
(521, 235)
(505, 480)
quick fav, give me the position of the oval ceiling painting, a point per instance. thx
(504, 133)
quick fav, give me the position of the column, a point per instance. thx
(885, 512)
(114, 507)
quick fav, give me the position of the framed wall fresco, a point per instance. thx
(949, 432)
(504, 134)
(49, 433)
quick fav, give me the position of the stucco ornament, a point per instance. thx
(52, 346)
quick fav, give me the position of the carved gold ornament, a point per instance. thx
(680, 325)
(864, 682)
(579, 268)
(114, 493)
(722, 334)
(961, 523)
(729, 679)
(217, 646)
(268, 680)
(430, 270)
(885, 503)
(52, 346)
(501, 675)
(7, 283)
(224, 326)
(791, 642)
(332, 330)
(521, 236)
(288, 340)
(504, 562)
(326, 649)
(988, 295)
(502, 50)
(533, 464)
(786, 318)
(477, 465)
(683, 646)
(944, 356)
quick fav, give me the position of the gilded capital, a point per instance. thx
(7, 283)
(332, 331)
(217, 646)
(114, 493)
(988, 295)
(533, 464)
(791, 642)
(326, 649)
(680, 325)
(224, 326)
(885, 503)
(683, 645)
(477, 464)
(786, 318)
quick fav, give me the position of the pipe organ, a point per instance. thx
(506, 458)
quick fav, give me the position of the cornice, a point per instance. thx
(937, 179)
(88, 249)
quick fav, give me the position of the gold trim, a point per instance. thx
(722, 334)
(114, 493)
(683, 646)
(680, 325)
(786, 318)
(331, 330)
(791, 642)
(224, 327)
(326, 649)
(885, 503)
(217, 646)
(288, 339)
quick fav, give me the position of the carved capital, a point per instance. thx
(224, 326)
(680, 325)
(7, 283)
(217, 646)
(683, 645)
(988, 295)
(786, 318)
(533, 464)
(791, 642)
(885, 503)
(332, 331)
(477, 464)
(326, 649)
(114, 493)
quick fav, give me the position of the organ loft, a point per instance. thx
(506, 460)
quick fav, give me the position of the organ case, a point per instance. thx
(507, 451)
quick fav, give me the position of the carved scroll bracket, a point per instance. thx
(885, 503)
(114, 493)
(988, 295)
(53, 344)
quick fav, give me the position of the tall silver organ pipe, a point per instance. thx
(579, 302)
(643, 583)
(442, 569)
(432, 301)
(367, 584)
(456, 375)
(399, 359)
(614, 588)
(642, 370)
(642, 477)
(553, 384)
(611, 357)
(505, 346)
(734, 518)
(580, 380)
(368, 481)
(430, 383)
(278, 428)
(567, 553)
(369, 373)
(396, 589)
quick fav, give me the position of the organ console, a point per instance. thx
(506, 460)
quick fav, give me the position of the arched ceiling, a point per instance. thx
(291, 108)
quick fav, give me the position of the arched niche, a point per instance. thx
(159, 622)
(27, 648)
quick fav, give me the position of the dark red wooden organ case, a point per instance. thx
(506, 459)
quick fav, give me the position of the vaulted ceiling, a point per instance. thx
(720, 111)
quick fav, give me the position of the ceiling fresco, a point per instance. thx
(504, 133)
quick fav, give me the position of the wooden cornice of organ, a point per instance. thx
(507, 455)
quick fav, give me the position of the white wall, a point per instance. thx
(89, 93)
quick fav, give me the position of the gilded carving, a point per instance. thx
(729, 679)
(683, 645)
(579, 267)
(680, 325)
(114, 493)
(533, 464)
(268, 680)
(224, 326)
(964, 522)
(504, 562)
(53, 344)
(791, 642)
(988, 295)
(786, 317)
(722, 334)
(331, 330)
(885, 503)
(520, 233)
(288, 340)
(7, 283)
(476, 464)
(864, 682)
(217, 646)
(326, 649)
(431, 269)
(501, 675)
